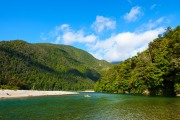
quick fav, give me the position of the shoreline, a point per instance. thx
(88, 91)
(31, 93)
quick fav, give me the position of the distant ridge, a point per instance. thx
(116, 62)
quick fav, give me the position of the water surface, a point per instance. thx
(99, 106)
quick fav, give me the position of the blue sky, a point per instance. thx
(112, 30)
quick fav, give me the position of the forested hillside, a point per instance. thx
(156, 71)
(47, 67)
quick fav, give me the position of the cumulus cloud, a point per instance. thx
(117, 47)
(66, 35)
(151, 24)
(64, 27)
(58, 29)
(124, 45)
(78, 36)
(103, 23)
(134, 13)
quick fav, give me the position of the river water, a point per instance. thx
(99, 106)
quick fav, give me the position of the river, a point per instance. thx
(99, 106)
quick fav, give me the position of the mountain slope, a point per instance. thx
(156, 71)
(47, 67)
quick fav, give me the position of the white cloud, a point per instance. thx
(118, 47)
(134, 13)
(79, 36)
(59, 29)
(153, 6)
(64, 27)
(103, 23)
(151, 24)
(69, 36)
(123, 45)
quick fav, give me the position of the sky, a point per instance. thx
(111, 30)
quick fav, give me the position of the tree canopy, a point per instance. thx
(155, 71)
(47, 67)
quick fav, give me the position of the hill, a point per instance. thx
(156, 71)
(47, 67)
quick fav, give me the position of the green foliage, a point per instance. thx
(47, 67)
(156, 70)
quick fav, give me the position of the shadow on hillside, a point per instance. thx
(14, 53)
(91, 74)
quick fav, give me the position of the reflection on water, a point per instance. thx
(98, 107)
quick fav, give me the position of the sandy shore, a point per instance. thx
(88, 91)
(28, 93)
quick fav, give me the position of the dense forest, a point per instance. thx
(47, 67)
(155, 71)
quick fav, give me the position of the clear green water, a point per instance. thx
(99, 107)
